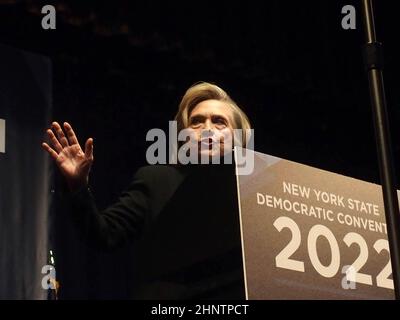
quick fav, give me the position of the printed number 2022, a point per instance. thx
(284, 261)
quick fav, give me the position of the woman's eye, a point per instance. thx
(195, 122)
(220, 121)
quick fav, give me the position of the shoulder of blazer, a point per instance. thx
(160, 173)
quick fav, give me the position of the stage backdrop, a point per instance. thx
(25, 106)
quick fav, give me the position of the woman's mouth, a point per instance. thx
(208, 142)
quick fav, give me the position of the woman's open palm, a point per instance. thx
(73, 162)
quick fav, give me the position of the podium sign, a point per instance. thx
(312, 234)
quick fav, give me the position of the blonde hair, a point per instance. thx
(202, 91)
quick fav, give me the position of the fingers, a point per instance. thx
(54, 141)
(60, 141)
(60, 134)
(70, 134)
(52, 153)
(89, 149)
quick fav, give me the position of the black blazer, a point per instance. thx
(186, 222)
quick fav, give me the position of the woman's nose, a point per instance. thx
(207, 133)
(207, 125)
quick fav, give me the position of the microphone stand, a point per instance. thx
(373, 59)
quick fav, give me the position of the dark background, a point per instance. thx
(120, 68)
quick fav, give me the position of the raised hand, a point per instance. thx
(73, 162)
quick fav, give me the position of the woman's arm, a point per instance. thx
(116, 224)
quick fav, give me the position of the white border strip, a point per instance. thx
(241, 225)
(2, 136)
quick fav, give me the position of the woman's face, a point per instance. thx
(212, 125)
